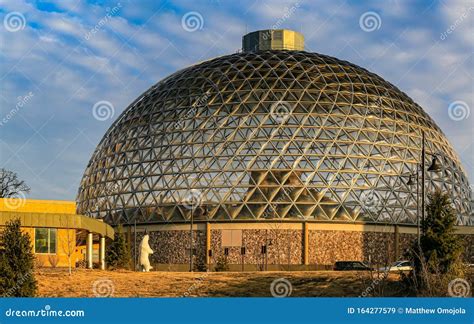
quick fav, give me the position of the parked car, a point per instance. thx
(350, 266)
(399, 266)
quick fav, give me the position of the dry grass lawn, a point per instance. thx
(88, 283)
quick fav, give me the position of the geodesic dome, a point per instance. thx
(287, 135)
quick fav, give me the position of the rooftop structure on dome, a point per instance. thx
(278, 39)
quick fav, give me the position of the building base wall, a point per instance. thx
(280, 246)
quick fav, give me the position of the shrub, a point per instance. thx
(118, 255)
(16, 262)
(221, 264)
(199, 264)
(53, 260)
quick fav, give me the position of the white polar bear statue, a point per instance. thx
(145, 251)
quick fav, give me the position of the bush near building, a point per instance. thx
(199, 265)
(221, 264)
(118, 255)
(17, 277)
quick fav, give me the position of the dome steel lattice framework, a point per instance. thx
(287, 135)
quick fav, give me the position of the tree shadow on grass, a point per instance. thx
(311, 286)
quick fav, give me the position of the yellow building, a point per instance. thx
(59, 236)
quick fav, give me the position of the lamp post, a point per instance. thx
(135, 254)
(434, 167)
(192, 202)
(191, 245)
(411, 183)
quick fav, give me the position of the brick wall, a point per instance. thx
(285, 247)
(171, 247)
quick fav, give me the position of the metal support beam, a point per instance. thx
(102, 253)
(89, 249)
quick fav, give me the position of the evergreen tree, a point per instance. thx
(199, 264)
(221, 264)
(437, 259)
(118, 253)
(16, 262)
(439, 243)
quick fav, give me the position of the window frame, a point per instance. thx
(48, 241)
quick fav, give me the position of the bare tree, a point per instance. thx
(10, 185)
(70, 242)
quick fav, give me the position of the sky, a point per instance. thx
(69, 68)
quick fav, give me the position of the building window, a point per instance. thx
(45, 240)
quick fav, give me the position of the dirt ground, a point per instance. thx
(97, 283)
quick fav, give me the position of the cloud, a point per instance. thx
(69, 68)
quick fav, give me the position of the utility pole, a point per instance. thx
(191, 245)
(423, 153)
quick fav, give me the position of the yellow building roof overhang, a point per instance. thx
(52, 220)
(52, 214)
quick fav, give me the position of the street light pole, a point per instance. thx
(191, 247)
(135, 263)
(418, 234)
(423, 153)
(434, 167)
